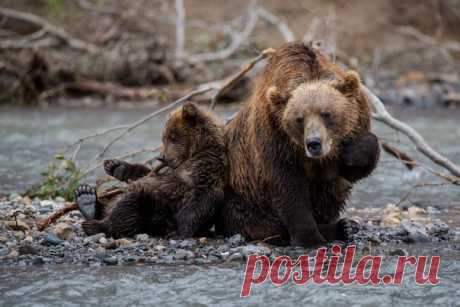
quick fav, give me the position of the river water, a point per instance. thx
(30, 137)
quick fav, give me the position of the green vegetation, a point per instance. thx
(61, 178)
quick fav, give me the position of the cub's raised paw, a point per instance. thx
(347, 228)
(115, 168)
(85, 196)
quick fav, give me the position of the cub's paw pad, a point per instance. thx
(92, 227)
(85, 196)
(111, 165)
(348, 228)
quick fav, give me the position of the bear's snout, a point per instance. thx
(314, 147)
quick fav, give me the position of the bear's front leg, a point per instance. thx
(125, 171)
(341, 230)
(301, 224)
(359, 158)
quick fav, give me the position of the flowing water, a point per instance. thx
(29, 138)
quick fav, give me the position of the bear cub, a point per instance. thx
(179, 198)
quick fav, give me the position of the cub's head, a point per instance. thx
(319, 115)
(187, 131)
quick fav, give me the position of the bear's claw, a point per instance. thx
(85, 196)
(115, 168)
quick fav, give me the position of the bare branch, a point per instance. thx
(383, 116)
(231, 81)
(59, 33)
(283, 28)
(237, 39)
(153, 114)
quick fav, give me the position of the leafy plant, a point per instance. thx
(61, 178)
(55, 6)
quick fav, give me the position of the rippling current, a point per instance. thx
(29, 137)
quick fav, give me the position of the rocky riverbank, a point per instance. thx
(22, 244)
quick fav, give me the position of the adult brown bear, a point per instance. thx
(294, 150)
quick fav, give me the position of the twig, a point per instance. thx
(231, 81)
(59, 33)
(237, 40)
(400, 155)
(383, 116)
(283, 28)
(43, 224)
(153, 114)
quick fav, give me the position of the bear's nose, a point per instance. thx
(314, 146)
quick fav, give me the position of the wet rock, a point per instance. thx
(236, 240)
(129, 259)
(189, 243)
(236, 257)
(38, 260)
(4, 251)
(13, 254)
(256, 249)
(417, 213)
(416, 233)
(103, 240)
(182, 254)
(438, 228)
(203, 240)
(17, 225)
(51, 239)
(159, 247)
(142, 237)
(93, 239)
(398, 252)
(27, 248)
(63, 231)
(124, 242)
(110, 260)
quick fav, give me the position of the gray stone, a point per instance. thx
(415, 232)
(142, 237)
(110, 260)
(182, 254)
(51, 239)
(256, 249)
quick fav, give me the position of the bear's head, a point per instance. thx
(319, 115)
(187, 131)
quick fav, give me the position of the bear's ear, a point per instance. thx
(349, 85)
(190, 113)
(276, 97)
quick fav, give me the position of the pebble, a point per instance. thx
(142, 237)
(235, 240)
(93, 239)
(27, 249)
(4, 251)
(110, 260)
(63, 231)
(398, 252)
(256, 249)
(51, 239)
(438, 228)
(187, 243)
(38, 260)
(182, 254)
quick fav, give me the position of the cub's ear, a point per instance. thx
(349, 85)
(275, 96)
(190, 113)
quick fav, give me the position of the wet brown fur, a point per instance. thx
(274, 189)
(184, 196)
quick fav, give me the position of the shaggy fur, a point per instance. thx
(184, 196)
(275, 189)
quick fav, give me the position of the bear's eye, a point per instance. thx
(299, 120)
(326, 115)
